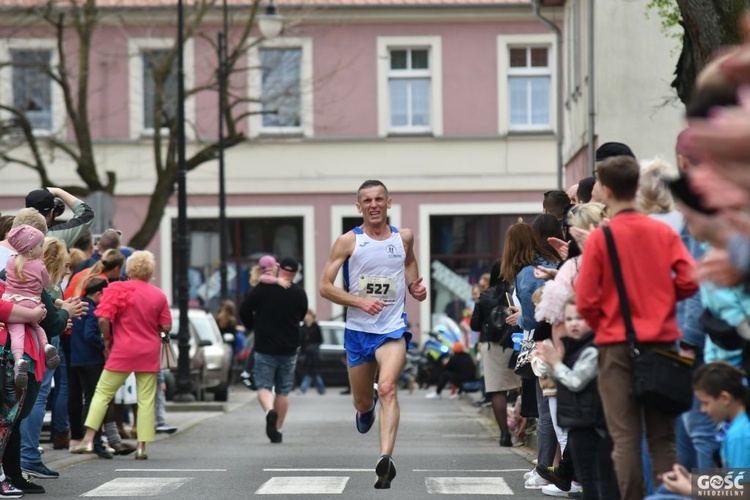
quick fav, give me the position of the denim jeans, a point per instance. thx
(696, 439)
(308, 379)
(31, 426)
(60, 420)
(546, 440)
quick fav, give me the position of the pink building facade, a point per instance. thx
(450, 104)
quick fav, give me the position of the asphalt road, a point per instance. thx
(444, 447)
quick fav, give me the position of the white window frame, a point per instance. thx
(6, 81)
(136, 46)
(504, 43)
(306, 87)
(434, 46)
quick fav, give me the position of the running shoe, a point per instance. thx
(365, 420)
(535, 481)
(39, 471)
(386, 471)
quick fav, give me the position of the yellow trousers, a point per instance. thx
(106, 388)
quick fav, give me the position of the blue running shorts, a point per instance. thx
(361, 346)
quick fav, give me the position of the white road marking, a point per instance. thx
(467, 486)
(137, 487)
(370, 470)
(170, 470)
(299, 485)
(318, 470)
(470, 470)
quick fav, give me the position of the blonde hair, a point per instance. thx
(653, 196)
(76, 257)
(54, 254)
(255, 273)
(227, 314)
(583, 216)
(30, 217)
(140, 265)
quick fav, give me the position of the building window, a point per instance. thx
(149, 63)
(409, 90)
(410, 85)
(32, 86)
(159, 89)
(529, 85)
(281, 86)
(526, 77)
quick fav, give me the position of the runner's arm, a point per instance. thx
(342, 250)
(411, 270)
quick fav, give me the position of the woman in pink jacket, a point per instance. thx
(132, 314)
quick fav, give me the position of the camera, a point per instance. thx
(59, 208)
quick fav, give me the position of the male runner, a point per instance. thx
(379, 268)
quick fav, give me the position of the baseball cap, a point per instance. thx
(289, 264)
(267, 261)
(610, 149)
(41, 199)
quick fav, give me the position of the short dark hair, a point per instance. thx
(585, 188)
(371, 183)
(84, 241)
(555, 202)
(713, 378)
(620, 174)
(708, 97)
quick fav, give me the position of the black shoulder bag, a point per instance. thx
(661, 379)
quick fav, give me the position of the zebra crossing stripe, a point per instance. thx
(467, 486)
(300, 485)
(137, 487)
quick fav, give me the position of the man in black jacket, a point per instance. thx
(275, 313)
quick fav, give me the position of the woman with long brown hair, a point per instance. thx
(522, 253)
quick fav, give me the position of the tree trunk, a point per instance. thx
(709, 25)
(163, 190)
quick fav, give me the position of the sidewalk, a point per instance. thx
(181, 415)
(527, 451)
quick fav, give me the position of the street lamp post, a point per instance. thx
(222, 76)
(183, 243)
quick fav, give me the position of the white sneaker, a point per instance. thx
(434, 395)
(535, 481)
(528, 474)
(553, 491)
(456, 396)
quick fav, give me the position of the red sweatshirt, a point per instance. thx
(657, 270)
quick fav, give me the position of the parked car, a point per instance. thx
(332, 355)
(211, 357)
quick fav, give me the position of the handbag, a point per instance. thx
(661, 379)
(720, 332)
(495, 327)
(523, 362)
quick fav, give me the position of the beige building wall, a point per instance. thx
(634, 65)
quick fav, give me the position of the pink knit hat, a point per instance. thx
(24, 237)
(267, 262)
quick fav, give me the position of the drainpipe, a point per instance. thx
(592, 110)
(558, 34)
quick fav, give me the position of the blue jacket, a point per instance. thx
(86, 342)
(689, 310)
(526, 285)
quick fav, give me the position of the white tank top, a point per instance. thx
(376, 269)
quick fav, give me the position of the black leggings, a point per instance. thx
(592, 459)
